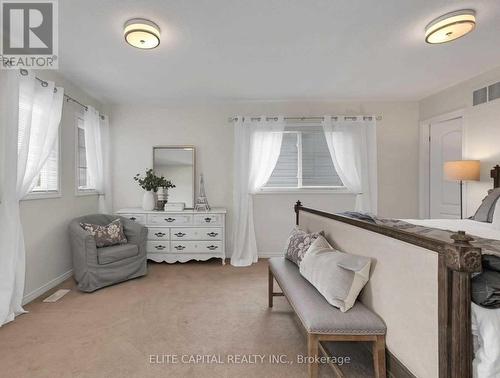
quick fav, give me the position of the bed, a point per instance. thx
(485, 321)
(421, 287)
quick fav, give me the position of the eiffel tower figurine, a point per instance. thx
(202, 201)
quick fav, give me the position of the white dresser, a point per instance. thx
(183, 235)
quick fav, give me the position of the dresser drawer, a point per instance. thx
(202, 233)
(139, 218)
(196, 246)
(157, 233)
(170, 219)
(212, 219)
(158, 246)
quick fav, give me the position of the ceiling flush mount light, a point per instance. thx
(142, 33)
(450, 26)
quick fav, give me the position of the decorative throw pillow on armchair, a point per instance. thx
(108, 235)
(298, 243)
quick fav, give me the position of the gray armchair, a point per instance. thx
(93, 267)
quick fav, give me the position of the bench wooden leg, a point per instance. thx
(312, 351)
(379, 357)
(270, 287)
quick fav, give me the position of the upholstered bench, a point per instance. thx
(322, 321)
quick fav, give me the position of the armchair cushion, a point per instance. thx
(107, 255)
(108, 235)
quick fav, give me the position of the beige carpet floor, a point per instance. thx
(197, 308)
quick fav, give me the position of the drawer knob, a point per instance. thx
(132, 218)
(179, 247)
(180, 234)
(212, 247)
(169, 219)
(160, 247)
(208, 220)
(160, 234)
(212, 234)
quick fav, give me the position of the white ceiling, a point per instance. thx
(216, 50)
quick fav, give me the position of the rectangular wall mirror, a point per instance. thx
(177, 164)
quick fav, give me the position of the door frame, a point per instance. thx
(424, 187)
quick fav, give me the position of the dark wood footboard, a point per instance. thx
(457, 260)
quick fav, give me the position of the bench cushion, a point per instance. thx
(315, 313)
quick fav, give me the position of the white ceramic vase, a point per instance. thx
(148, 200)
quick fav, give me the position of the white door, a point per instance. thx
(445, 145)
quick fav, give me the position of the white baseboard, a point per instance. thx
(49, 285)
(266, 255)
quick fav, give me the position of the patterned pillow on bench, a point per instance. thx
(298, 243)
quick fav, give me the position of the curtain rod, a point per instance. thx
(346, 118)
(68, 98)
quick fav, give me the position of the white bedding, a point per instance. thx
(485, 322)
(486, 327)
(472, 227)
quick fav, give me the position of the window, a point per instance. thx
(304, 161)
(83, 181)
(47, 182)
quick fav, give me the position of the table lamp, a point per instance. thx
(462, 170)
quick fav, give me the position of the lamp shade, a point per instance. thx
(462, 170)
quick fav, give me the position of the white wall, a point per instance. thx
(136, 129)
(45, 221)
(481, 128)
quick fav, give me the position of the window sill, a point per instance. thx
(41, 195)
(335, 190)
(84, 193)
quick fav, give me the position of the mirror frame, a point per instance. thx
(194, 165)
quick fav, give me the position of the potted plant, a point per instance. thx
(150, 183)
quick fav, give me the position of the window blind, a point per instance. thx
(82, 159)
(82, 170)
(285, 172)
(48, 179)
(304, 160)
(317, 164)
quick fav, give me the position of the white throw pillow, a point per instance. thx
(338, 276)
(319, 244)
(496, 216)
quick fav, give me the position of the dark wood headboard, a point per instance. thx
(495, 175)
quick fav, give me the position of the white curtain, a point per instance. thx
(11, 259)
(97, 154)
(257, 148)
(31, 113)
(352, 146)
